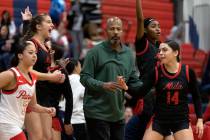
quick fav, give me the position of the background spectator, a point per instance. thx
(75, 19)
(5, 47)
(6, 19)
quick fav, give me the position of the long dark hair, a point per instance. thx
(147, 21)
(21, 47)
(71, 65)
(175, 47)
(59, 50)
(3, 21)
(31, 29)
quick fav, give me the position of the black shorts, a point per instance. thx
(167, 129)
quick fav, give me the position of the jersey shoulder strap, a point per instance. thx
(187, 73)
(156, 74)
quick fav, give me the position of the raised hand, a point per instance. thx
(26, 15)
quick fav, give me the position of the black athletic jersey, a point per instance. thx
(146, 58)
(41, 65)
(49, 94)
(56, 92)
(171, 93)
(43, 58)
(146, 55)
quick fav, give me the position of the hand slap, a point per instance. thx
(58, 77)
(51, 111)
(121, 82)
(112, 86)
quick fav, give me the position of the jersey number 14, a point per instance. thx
(173, 99)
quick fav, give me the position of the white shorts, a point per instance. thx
(8, 131)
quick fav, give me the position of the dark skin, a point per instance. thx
(114, 33)
(152, 30)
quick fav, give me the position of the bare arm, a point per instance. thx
(7, 80)
(40, 109)
(140, 20)
(56, 76)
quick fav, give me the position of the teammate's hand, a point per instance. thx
(62, 62)
(68, 129)
(121, 82)
(112, 86)
(51, 111)
(199, 128)
(58, 77)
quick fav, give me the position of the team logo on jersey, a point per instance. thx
(23, 95)
(25, 98)
(173, 86)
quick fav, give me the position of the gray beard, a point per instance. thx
(114, 42)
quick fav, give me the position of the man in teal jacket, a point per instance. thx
(104, 97)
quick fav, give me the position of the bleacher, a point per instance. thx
(6, 5)
(195, 59)
(36, 6)
(162, 10)
(193, 121)
(43, 6)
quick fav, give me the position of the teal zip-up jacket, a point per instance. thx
(103, 64)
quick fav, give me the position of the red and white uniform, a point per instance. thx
(13, 105)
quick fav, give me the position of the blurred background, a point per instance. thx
(79, 25)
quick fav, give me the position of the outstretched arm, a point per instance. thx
(140, 20)
(56, 76)
(138, 88)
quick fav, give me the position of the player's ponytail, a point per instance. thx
(71, 65)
